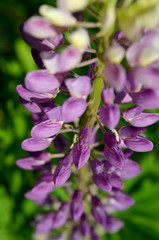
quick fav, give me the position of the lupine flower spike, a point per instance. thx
(84, 76)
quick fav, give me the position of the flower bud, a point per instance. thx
(57, 16)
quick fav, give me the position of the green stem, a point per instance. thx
(90, 117)
(95, 99)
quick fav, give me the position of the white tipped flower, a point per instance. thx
(57, 16)
(114, 53)
(73, 5)
(79, 38)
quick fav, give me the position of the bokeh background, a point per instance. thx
(16, 212)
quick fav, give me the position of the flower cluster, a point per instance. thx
(120, 68)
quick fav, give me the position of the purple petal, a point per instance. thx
(84, 226)
(39, 27)
(41, 189)
(114, 156)
(85, 135)
(130, 113)
(76, 205)
(31, 106)
(36, 56)
(47, 176)
(81, 154)
(38, 117)
(130, 131)
(114, 74)
(144, 119)
(110, 115)
(148, 76)
(94, 236)
(139, 144)
(146, 98)
(120, 201)
(60, 216)
(46, 129)
(131, 84)
(142, 54)
(61, 175)
(55, 114)
(110, 139)
(61, 62)
(41, 81)
(31, 96)
(115, 181)
(32, 162)
(131, 169)
(45, 225)
(79, 87)
(97, 166)
(69, 58)
(108, 95)
(98, 211)
(35, 144)
(73, 108)
(29, 163)
(113, 225)
(102, 181)
(41, 44)
(66, 160)
(127, 153)
(76, 233)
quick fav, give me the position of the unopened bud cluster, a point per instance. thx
(122, 68)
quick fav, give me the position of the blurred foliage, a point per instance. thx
(16, 212)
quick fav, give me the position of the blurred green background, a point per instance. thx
(16, 212)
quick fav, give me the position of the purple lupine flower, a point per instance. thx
(108, 95)
(81, 150)
(35, 144)
(61, 174)
(84, 226)
(131, 169)
(119, 200)
(63, 170)
(39, 27)
(76, 207)
(136, 117)
(114, 74)
(100, 177)
(147, 76)
(60, 216)
(41, 44)
(40, 190)
(104, 175)
(41, 81)
(79, 87)
(63, 62)
(34, 97)
(33, 161)
(110, 115)
(48, 127)
(131, 84)
(73, 108)
(94, 236)
(133, 140)
(31, 106)
(113, 224)
(76, 233)
(112, 150)
(146, 98)
(141, 54)
(45, 225)
(98, 211)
